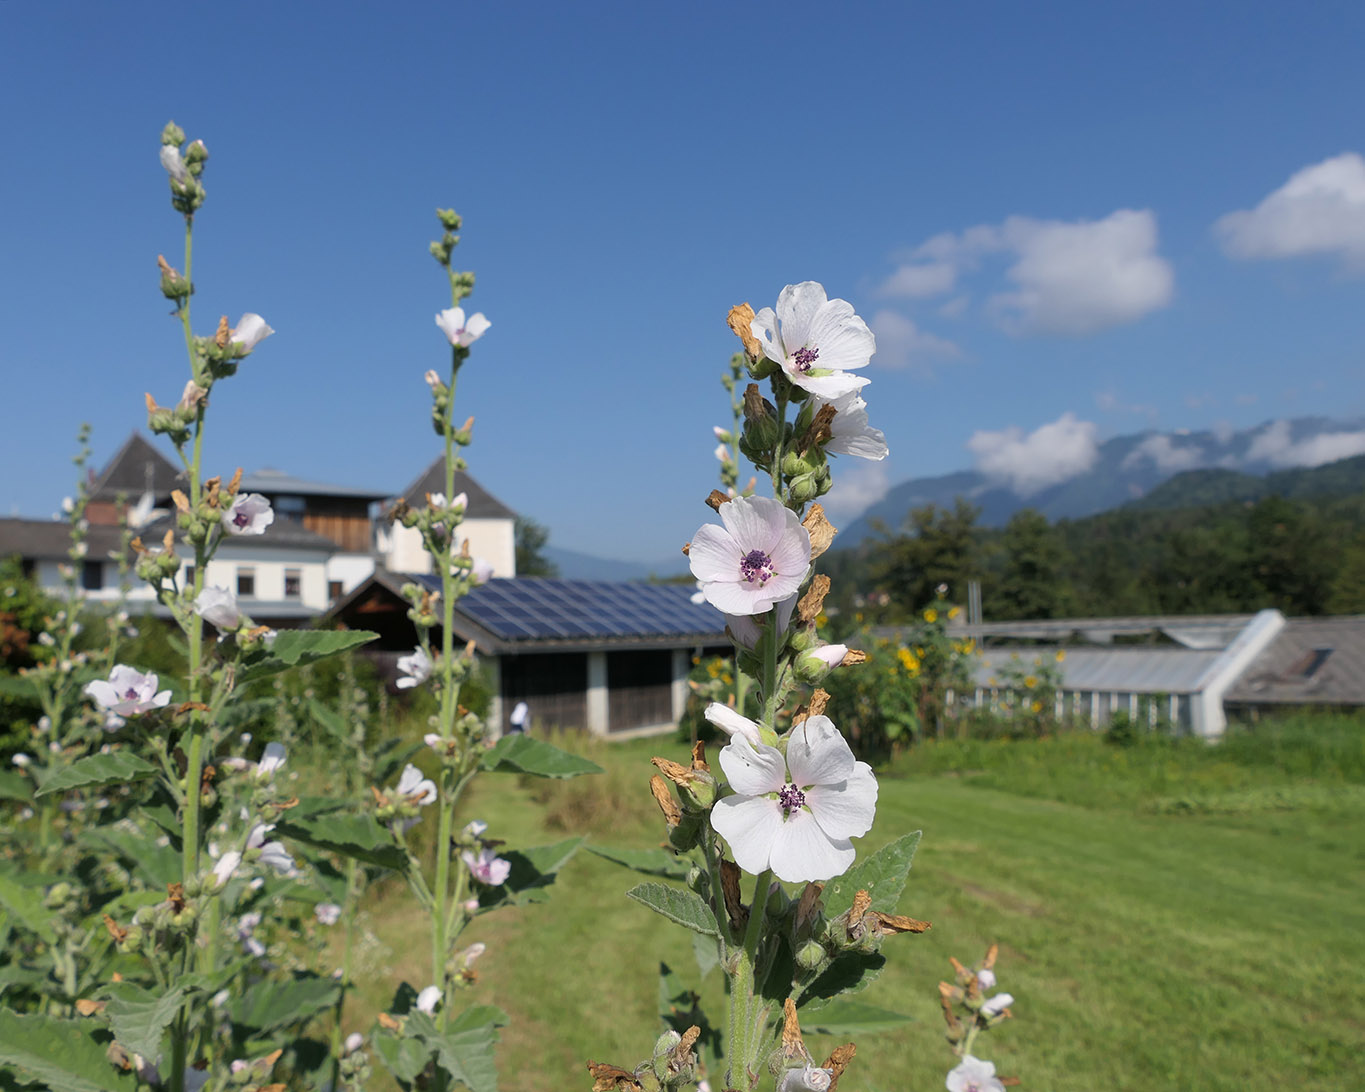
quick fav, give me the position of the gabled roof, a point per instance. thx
(482, 503)
(274, 483)
(50, 539)
(284, 534)
(136, 467)
(1311, 660)
(530, 614)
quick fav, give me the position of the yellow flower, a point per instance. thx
(953, 612)
(713, 669)
(725, 678)
(1037, 707)
(908, 661)
(1030, 681)
(969, 645)
(1061, 655)
(931, 616)
(858, 616)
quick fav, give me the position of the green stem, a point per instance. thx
(338, 1010)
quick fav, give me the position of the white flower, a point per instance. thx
(433, 380)
(997, 1004)
(354, 1042)
(435, 742)
(225, 866)
(470, 954)
(757, 559)
(416, 669)
(250, 514)
(850, 432)
(815, 339)
(327, 913)
(481, 572)
(21, 760)
(436, 500)
(428, 999)
(127, 692)
(796, 814)
(809, 1079)
(272, 759)
(250, 330)
(414, 787)
(474, 829)
(487, 867)
(985, 978)
(174, 164)
(460, 501)
(457, 330)
(745, 629)
(732, 723)
(218, 607)
(722, 453)
(973, 1075)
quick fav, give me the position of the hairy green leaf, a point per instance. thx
(270, 1004)
(25, 905)
(59, 1053)
(522, 754)
(881, 875)
(140, 1018)
(465, 1051)
(676, 904)
(846, 973)
(650, 862)
(360, 836)
(159, 865)
(15, 786)
(116, 766)
(848, 1018)
(296, 647)
(404, 1057)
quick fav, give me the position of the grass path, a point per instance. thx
(1144, 951)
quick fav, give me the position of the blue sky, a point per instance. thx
(1029, 203)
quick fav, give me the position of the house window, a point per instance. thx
(189, 576)
(293, 583)
(246, 583)
(92, 575)
(334, 590)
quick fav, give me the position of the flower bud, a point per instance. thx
(173, 134)
(804, 488)
(687, 834)
(812, 956)
(196, 155)
(450, 219)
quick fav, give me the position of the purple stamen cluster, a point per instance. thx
(756, 567)
(240, 519)
(790, 798)
(130, 695)
(803, 358)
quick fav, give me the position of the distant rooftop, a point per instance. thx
(482, 504)
(134, 469)
(273, 482)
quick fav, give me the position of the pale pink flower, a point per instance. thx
(808, 1079)
(218, 607)
(481, 572)
(428, 999)
(459, 330)
(272, 759)
(973, 1075)
(250, 514)
(985, 978)
(327, 913)
(999, 1003)
(487, 867)
(415, 788)
(850, 433)
(354, 1042)
(416, 669)
(733, 723)
(250, 331)
(758, 558)
(815, 339)
(127, 692)
(795, 813)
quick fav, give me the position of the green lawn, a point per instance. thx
(1168, 917)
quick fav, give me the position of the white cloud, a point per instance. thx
(1083, 277)
(1245, 399)
(954, 308)
(1320, 210)
(1276, 446)
(902, 344)
(1165, 455)
(1049, 454)
(1068, 278)
(858, 485)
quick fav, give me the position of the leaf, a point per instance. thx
(159, 865)
(465, 1051)
(116, 766)
(881, 875)
(296, 647)
(60, 1053)
(651, 862)
(523, 754)
(25, 905)
(329, 719)
(271, 1004)
(404, 1057)
(848, 1018)
(676, 904)
(140, 1018)
(18, 688)
(360, 836)
(15, 786)
(707, 953)
(533, 870)
(846, 973)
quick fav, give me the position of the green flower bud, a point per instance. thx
(687, 834)
(812, 956)
(794, 466)
(173, 134)
(57, 894)
(450, 219)
(803, 489)
(761, 368)
(196, 155)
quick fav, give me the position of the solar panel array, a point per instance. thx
(530, 608)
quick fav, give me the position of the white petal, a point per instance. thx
(749, 824)
(752, 771)
(759, 523)
(791, 552)
(803, 852)
(829, 387)
(764, 327)
(818, 754)
(102, 693)
(477, 326)
(797, 306)
(845, 810)
(451, 322)
(732, 723)
(842, 337)
(250, 330)
(713, 554)
(733, 597)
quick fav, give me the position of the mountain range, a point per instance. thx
(1167, 469)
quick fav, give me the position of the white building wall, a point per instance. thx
(349, 569)
(492, 540)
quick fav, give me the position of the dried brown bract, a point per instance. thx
(739, 318)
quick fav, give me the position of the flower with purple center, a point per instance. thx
(250, 514)
(815, 340)
(416, 669)
(127, 692)
(758, 558)
(795, 813)
(973, 1075)
(459, 330)
(327, 913)
(487, 867)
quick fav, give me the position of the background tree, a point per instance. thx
(531, 538)
(1034, 576)
(940, 546)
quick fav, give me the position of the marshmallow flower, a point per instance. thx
(795, 813)
(757, 559)
(250, 330)
(487, 867)
(416, 788)
(250, 514)
(815, 339)
(416, 669)
(218, 607)
(127, 692)
(973, 1075)
(850, 434)
(459, 330)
